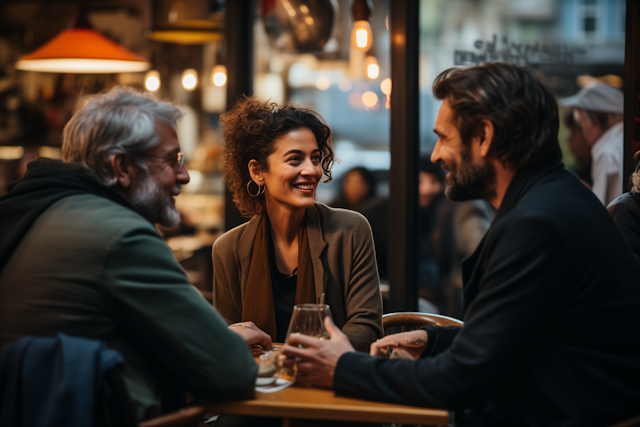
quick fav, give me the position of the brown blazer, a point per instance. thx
(344, 269)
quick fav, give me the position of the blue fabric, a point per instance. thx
(51, 382)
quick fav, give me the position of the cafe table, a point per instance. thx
(297, 403)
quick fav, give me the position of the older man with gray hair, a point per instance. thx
(79, 255)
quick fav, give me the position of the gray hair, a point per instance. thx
(120, 120)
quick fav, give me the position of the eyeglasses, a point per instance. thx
(179, 159)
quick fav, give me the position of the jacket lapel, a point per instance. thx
(317, 246)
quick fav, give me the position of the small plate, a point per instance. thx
(262, 381)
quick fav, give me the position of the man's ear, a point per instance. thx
(256, 173)
(486, 135)
(123, 170)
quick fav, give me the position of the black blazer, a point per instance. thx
(552, 320)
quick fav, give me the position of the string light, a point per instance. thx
(189, 79)
(219, 75)
(152, 80)
(371, 67)
(369, 98)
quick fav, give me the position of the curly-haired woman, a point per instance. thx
(293, 250)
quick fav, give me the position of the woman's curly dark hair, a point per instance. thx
(251, 129)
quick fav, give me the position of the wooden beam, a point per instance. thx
(631, 84)
(405, 153)
(239, 39)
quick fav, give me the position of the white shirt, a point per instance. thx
(606, 166)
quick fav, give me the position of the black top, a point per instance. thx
(626, 213)
(284, 294)
(551, 299)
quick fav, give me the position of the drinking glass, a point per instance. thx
(307, 319)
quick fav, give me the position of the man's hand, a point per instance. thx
(318, 358)
(414, 342)
(252, 335)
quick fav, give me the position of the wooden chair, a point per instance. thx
(407, 321)
(186, 417)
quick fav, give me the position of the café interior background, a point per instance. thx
(561, 38)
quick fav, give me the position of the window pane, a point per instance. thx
(545, 35)
(343, 84)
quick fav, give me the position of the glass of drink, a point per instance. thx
(307, 319)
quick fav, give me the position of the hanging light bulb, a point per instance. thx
(361, 36)
(152, 80)
(371, 67)
(219, 75)
(189, 79)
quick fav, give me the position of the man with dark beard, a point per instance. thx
(551, 295)
(79, 255)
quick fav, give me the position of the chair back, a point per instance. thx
(408, 321)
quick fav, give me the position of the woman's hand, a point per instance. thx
(251, 334)
(414, 342)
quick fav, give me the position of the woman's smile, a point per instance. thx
(305, 187)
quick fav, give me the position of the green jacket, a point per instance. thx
(92, 268)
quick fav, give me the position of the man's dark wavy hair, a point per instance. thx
(515, 100)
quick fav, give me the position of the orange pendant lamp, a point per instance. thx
(81, 50)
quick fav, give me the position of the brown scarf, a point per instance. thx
(258, 306)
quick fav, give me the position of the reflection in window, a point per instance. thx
(342, 83)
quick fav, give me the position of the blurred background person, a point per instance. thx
(449, 232)
(580, 150)
(626, 211)
(357, 191)
(598, 111)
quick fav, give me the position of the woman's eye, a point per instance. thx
(294, 159)
(316, 158)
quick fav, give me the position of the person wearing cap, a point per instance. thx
(598, 110)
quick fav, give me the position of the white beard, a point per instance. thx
(151, 201)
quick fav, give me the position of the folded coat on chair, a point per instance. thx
(53, 381)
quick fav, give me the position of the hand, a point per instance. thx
(414, 342)
(318, 358)
(252, 335)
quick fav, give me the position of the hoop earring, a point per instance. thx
(260, 189)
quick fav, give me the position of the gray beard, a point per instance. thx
(151, 201)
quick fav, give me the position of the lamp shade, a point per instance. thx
(187, 21)
(82, 51)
